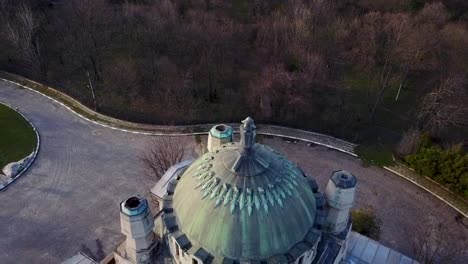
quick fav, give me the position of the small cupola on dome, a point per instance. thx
(219, 135)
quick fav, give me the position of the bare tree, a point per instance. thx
(418, 48)
(86, 27)
(267, 87)
(162, 153)
(21, 32)
(434, 243)
(444, 106)
(285, 28)
(378, 42)
(409, 143)
(278, 90)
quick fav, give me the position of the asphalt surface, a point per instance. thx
(68, 200)
(405, 211)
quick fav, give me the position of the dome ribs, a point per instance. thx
(215, 191)
(211, 187)
(234, 200)
(286, 185)
(256, 200)
(222, 194)
(270, 195)
(260, 200)
(262, 194)
(228, 197)
(249, 201)
(242, 200)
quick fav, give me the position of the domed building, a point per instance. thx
(240, 202)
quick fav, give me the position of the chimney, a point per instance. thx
(137, 223)
(219, 135)
(340, 193)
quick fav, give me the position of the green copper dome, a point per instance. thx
(244, 201)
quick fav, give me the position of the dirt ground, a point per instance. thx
(405, 210)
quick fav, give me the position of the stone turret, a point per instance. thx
(340, 192)
(219, 135)
(137, 224)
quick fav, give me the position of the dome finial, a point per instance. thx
(248, 133)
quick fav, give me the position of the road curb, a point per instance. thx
(35, 152)
(309, 141)
(205, 133)
(191, 133)
(427, 190)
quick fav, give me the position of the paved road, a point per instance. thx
(405, 210)
(68, 200)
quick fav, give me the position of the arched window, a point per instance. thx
(300, 260)
(194, 261)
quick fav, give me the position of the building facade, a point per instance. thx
(240, 202)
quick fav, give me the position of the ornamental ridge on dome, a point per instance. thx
(282, 186)
(241, 193)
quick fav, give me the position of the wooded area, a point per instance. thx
(364, 70)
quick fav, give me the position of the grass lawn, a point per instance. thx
(376, 154)
(17, 137)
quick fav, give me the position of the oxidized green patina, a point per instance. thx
(221, 131)
(244, 201)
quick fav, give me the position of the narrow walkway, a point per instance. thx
(431, 186)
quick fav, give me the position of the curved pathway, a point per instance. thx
(405, 210)
(68, 200)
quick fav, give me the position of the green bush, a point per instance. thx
(365, 222)
(448, 167)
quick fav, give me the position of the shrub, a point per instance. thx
(448, 167)
(366, 223)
